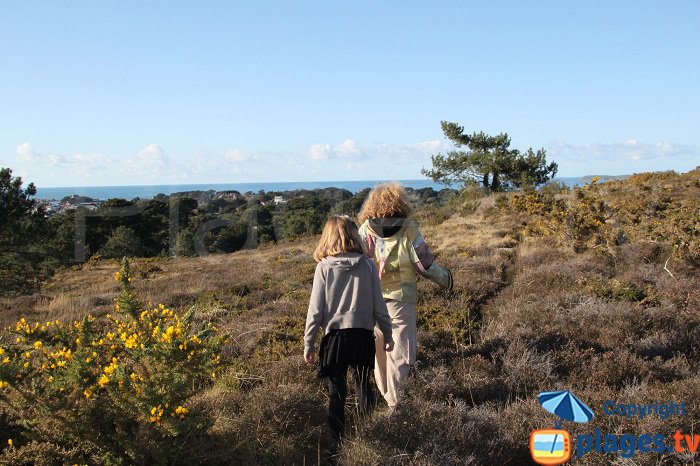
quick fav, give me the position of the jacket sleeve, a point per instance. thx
(381, 314)
(317, 306)
(425, 264)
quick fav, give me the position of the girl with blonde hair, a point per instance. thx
(399, 250)
(346, 303)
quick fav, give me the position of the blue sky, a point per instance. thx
(126, 93)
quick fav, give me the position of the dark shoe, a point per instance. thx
(331, 454)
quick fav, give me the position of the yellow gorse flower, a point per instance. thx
(109, 370)
(156, 414)
(181, 412)
(61, 356)
(131, 341)
(23, 326)
(172, 331)
(103, 381)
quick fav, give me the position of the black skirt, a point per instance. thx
(345, 347)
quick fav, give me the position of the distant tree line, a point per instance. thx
(33, 245)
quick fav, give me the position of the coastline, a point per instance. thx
(149, 191)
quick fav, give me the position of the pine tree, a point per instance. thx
(489, 160)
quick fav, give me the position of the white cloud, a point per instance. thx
(346, 159)
(25, 152)
(149, 162)
(77, 164)
(415, 152)
(404, 153)
(631, 150)
(346, 149)
(320, 151)
(152, 155)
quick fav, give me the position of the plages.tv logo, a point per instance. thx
(553, 446)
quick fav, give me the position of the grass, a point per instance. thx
(528, 313)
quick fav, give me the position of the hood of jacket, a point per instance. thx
(345, 261)
(386, 227)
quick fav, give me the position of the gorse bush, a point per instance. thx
(110, 390)
(656, 207)
(580, 220)
(661, 207)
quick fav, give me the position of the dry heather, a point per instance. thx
(610, 322)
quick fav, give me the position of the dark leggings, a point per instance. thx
(338, 390)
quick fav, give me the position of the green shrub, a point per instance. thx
(113, 390)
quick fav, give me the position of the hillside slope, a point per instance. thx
(612, 317)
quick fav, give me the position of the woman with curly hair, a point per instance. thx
(399, 250)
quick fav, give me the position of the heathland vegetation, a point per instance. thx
(593, 290)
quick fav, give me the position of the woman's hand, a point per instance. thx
(309, 357)
(389, 347)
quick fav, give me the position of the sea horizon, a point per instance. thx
(149, 191)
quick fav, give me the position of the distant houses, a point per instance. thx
(227, 195)
(53, 207)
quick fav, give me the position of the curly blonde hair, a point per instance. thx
(385, 200)
(339, 236)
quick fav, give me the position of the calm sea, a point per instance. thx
(148, 191)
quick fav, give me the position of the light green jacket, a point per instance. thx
(400, 257)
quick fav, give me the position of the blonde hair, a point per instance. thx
(339, 236)
(385, 200)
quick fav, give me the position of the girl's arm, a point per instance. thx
(317, 306)
(425, 265)
(381, 314)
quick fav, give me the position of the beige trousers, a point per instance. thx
(392, 369)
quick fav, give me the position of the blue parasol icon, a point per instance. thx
(565, 405)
